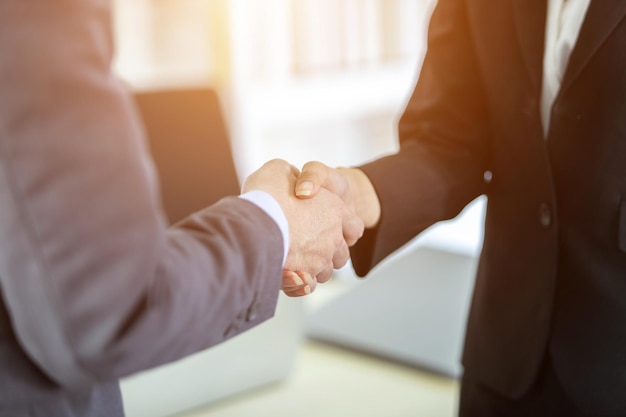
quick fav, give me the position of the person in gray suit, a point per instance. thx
(94, 285)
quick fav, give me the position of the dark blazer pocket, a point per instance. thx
(622, 225)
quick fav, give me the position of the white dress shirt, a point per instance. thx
(563, 23)
(269, 205)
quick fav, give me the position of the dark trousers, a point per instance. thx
(545, 399)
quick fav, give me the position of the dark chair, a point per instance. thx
(191, 148)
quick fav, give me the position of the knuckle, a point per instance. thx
(313, 164)
(276, 163)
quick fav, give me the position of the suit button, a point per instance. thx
(545, 216)
(252, 314)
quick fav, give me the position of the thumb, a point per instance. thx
(313, 176)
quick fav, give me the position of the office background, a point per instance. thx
(311, 80)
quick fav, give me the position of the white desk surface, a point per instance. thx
(333, 382)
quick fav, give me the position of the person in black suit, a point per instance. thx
(94, 285)
(523, 101)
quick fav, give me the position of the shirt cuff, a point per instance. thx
(269, 205)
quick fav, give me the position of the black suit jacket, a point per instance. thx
(552, 273)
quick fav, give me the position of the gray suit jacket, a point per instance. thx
(94, 286)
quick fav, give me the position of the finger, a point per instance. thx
(293, 293)
(291, 280)
(313, 176)
(309, 280)
(324, 275)
(297, 284)
(352, 227)
(341, 256)
(297, 292)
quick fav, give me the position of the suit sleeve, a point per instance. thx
(96, 285)
(444, 143)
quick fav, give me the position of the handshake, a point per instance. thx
(327, 210)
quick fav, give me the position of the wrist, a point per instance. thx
(364, 196)
(271, 206)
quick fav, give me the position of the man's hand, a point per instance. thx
(350, 184)
(321, 227)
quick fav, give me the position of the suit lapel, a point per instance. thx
(602, 18)
(530, 21)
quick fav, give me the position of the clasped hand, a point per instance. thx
(321, 227)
